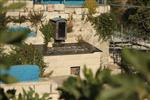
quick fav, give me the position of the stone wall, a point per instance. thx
(81, 27)
(41, 87)
(61, 65)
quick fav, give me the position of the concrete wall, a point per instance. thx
(47, 86)
(61, 65)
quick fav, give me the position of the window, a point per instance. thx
(75, 70)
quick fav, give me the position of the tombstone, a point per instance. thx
(60, 29)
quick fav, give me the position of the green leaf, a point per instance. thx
(7, 78)
(13, 37)
(20, 97)
(138, 60)
(17, 5)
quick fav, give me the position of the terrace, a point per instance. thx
(65, 39)
(67, 58)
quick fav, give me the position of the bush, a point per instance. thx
(30, 55)
(140, 23)
(36, 18)
(47, 31)
(106, 86)
(105, 25)
(32, 95)
(20, 19)
(4, 20)
(25, 54)
(91, 5)
(80, 39)
(26, 95)
(5, 36)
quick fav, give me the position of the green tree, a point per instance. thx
(105, 25)
(20, 19)
(12, 38)
(138, 60)
(140, 23)
(8, 37)
(106, 86)
(4, 20)
(47, 31)
(25, 95)
(91, 5)
(142, 2)
(31, 94)
(3, 10)
(117, 7)
(134, 21)
(25, 54)
(36, 18)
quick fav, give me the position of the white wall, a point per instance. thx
(60, 65)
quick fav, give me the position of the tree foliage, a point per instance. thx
(24, 54)
(140, 21)
(117, 7)
(27, 54)
(36, 18)
(6, 60)
(3, 11)
(4, 21)
(20, 19)
(47, 31)
(105, 25)
(13, 37)
(91, 5)
(138, 61)
(106, 86)
(25, 95)
(142, 2)
(135, 19)
(4, 7)
(8, 37)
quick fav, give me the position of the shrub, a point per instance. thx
(20, 19)
(36, 18)
(25, 54)
(7, 95)
(13, 38)
(26, 95)
(4, 20)
(105, 25)
(106, 86)
(32, 95)
(91, 5)
(140, 23)
(80, 39)
(30, 55)
(47, 31)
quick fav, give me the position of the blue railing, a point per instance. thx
(66, 2)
